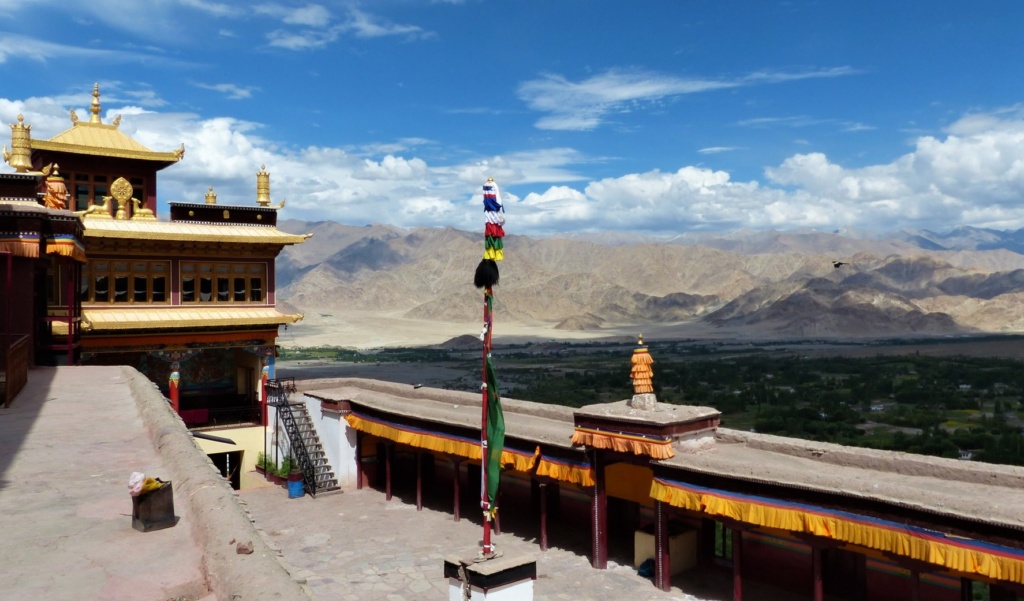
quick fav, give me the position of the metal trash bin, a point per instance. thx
(154, 510)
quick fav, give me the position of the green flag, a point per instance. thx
(495, 436)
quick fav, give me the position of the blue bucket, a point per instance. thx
(296, 487)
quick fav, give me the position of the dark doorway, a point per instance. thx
(844, 574)
(230, 466)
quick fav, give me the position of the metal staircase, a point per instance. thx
(302, 437)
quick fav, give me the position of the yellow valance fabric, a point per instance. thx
(439, 441)
(423, 439)
(955, 553)
(624, 443)
(565, 471)
(66, 247)
(27, 248)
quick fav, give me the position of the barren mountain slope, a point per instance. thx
(425, 274)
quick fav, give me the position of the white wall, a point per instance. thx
(337, 438)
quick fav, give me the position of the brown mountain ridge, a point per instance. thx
(782, 286)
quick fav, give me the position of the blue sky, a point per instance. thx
(660, 117)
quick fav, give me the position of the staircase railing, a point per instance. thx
(277, 397)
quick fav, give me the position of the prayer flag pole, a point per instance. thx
(492, 422)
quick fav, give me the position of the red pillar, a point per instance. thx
(172, 384)
(662, 554)
(737, 565)
(264, 376)
(359, 460)
(456, 463)
(419, 481)
(387, 471)
(819, 585)
(599, 516)
(543, 515)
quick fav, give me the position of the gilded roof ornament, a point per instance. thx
(20, 155)
(211, 197)
(74, 116)
(180, 153)
(56, 190)
(94, 107)
(117, 121)
(263, 187)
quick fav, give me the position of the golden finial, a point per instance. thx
(20, 155)
(263, 187)
(94, 108)
(74, 116)
(640, 340)
(180, 153)
(211, 197)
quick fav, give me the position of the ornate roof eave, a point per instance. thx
(168, 158)
(189, 232)
(182, 318)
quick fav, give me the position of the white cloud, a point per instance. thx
(232, 91)
(717, 149)
(318, 31)
(586, 104)
(972, 175)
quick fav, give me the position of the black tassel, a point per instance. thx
(486, 274)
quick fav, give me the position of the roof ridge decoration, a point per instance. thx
(103, 139)
(263, 189)
(20, 155)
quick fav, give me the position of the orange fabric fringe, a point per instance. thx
(624, 444)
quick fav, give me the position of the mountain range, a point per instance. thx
(845, 283)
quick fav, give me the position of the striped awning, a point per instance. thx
(441, 442)
(955, 553)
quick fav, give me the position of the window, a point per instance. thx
(124, 282)
(723, 541)
(223, 282)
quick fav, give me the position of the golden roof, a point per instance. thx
(197, 232)
(148, 318)
(98, 138)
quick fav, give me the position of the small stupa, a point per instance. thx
(641, 425)
(643, 378)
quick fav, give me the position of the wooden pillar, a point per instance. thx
(359, 460)
(419, 481)
(915, 585)
(663, 560)
(737, 565)
(387, 470)
(706, 551)
(456, 463)
(966, 589)
(543, 486)
(599, 516)
(818, 585)
(172, 386)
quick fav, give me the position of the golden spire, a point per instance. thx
(263, 187)
(211, 197)
(20, 155)
(641, 373)
(94, 108)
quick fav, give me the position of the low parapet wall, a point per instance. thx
(906, 464)
(217, 516)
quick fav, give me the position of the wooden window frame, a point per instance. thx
(251, 274)
(113, 270)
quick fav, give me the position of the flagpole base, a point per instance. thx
(496, 578)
